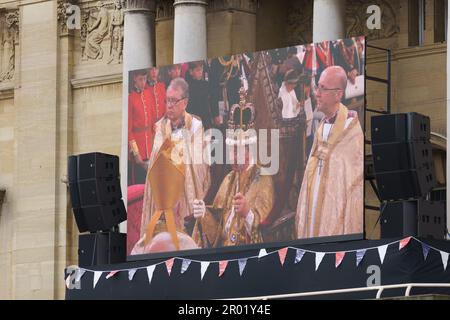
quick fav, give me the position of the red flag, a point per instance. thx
(404, 243)
(169, 265)
(339, 258)
(111, 274)
(222, 266)
(282, 255)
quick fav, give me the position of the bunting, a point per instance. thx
(242, 262)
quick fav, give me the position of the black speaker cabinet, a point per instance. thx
(101, 248)
(103, 217)
(99, 191)
(420, 218)
(402, 156)
(404, 184)
(400, 127)
(97, 165)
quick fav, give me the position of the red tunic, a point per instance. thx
(144, 110)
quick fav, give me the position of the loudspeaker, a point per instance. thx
(400, 127)
(80, 220)
(101, 248)
(419, 218)
(402, 155)
(97, 165)
(403, 184)
(99, 191)
(72, 166)
(104, 217)
(95, 192)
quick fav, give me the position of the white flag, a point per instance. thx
(262, 253)
(150, 270)
(299, 255)
(382, 252)
(79, 274)
(131, 273)
(444, 256)
(319, 257)
(360, 255)
(97, 275)
(242, 264)
(185, 265)
(203, 267)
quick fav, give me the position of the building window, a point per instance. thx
(440, 20)
(416, 22)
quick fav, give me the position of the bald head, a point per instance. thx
(331, 90)
(162, 242)
(337, 76)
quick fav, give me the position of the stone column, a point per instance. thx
(328, 20)
(138, 52)
(36, 272)
(189, 30)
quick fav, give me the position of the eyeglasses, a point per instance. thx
(322, 89)
(172, 102)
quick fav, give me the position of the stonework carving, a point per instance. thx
(300, 16)
(241, 5)
(164, 10)
(148, 5)
(9, 38)
(356, 18)
(62, 14)
(102, 32)
(299, 22)
(116, 32)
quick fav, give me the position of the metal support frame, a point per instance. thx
(387, 110)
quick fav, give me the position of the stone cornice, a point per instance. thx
(96, 81)
(6, 90)
(408, 53)
(140, 5)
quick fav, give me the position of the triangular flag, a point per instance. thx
(97, 275)
(169, 265)
(403, 243)
(68, 282)
(150, 270)
(319, 257)
(282, 255)
(79, 274)
(299, 255)
(111, 274)
(242, 263)
(262, 253)
(203, 266)
(360, 255)
(222, 267)
(339, 257)
(382, 252)
(185, 265)
(425, 250)
(444, 256)
(131, 274)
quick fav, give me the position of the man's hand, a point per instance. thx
(140, 162)
(198, 208)
(241, 205)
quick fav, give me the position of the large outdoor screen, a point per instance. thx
(248, 150)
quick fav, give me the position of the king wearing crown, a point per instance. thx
(245, 197)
